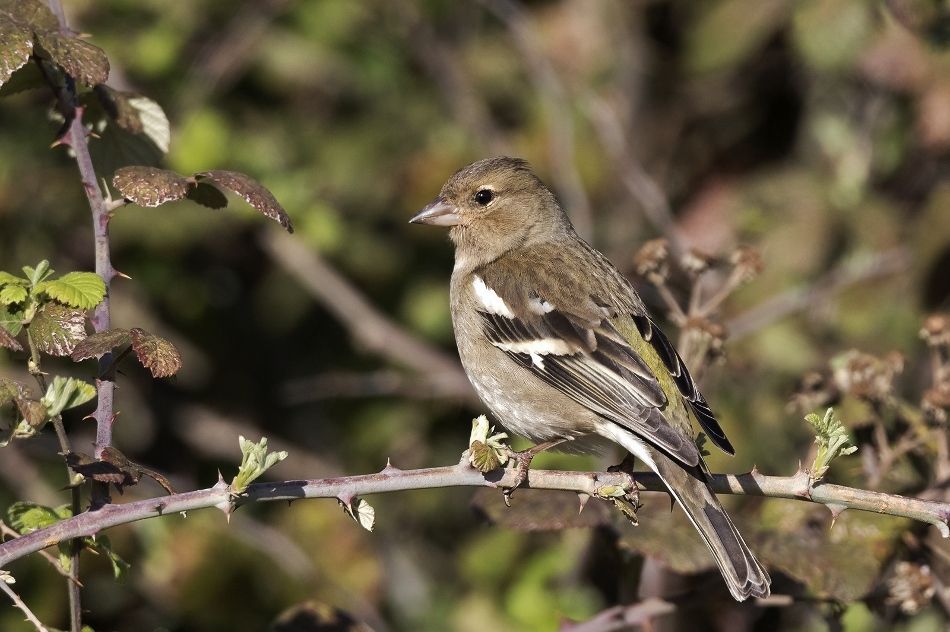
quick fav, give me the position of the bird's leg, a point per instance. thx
(523, 462)
(626, 466)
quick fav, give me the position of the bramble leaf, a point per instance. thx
(208, 195)
(82, 290)
(10, 294)
(255, 460)
(32, 14)
(155, 353)
(84, 62)
(56, 329)
(24, 516)
(16, 45)
(9, 279)
(833, 441)
(8, 341)
(253, 192)
(66, 392)
(100, 343)
(360, 511)
(11, 322)
(150, 186)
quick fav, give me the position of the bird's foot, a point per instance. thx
(522, 461)
(633, 496)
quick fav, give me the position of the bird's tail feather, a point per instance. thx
(743, 573)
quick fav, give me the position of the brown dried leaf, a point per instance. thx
(8, 341)
(155, 353)
(56, 329)
(84, 62)
(253, 192)
(150, 186)
(34, 413)
(540, 510)
(16, 45)
(100, 343)
(104, 471)
(34, 14)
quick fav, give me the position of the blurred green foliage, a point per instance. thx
(815, 130)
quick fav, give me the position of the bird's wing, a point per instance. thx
(580, 352)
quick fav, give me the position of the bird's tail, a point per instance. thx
(744, 575)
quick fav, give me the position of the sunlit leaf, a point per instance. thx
(100, 343)
(12, 294)
(82, 290)
(56, 329)
(25, 517)
(16, 45)
(11, 321)
(83, 61)
(155, 353)
(66, 392)
(149, 186)
(253, 192)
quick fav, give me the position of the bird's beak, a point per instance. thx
(437, 213)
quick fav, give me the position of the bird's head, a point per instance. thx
(492, 206)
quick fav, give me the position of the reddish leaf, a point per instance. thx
(149, 186)
(155, 353)
(100, 343)
(114, 468)
(56, 329)
(253, 192)
(33, 411)
(84, 62)
(8, 341)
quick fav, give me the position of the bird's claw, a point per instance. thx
(522, 462)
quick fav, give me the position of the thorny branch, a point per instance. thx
(391, 479)
(15, 598)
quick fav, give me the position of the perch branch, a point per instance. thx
(390, 479)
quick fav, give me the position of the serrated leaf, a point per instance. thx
(11, 321)
(155, 353)
(30, 13)
(100, 343)
(64, 393)
(56, 329)
(24, 516)
(16, 46)
(82, 290)
(149, 186)
(7, 341)
(84, 62)
(253, 192)
(10, 294)
(207, 195)
(11, 279)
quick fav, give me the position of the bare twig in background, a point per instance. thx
(369, 327)
(621, 618)
(218, 63)
(644, 190)
(800, 486)
(556, 103)
(22, 606)
(854, 270)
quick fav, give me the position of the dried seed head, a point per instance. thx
(695, 262)
(911, 587)
(747, 262)
(865, 376)
(816, 390)
(652, 261)
(936, 330)
(936, 402)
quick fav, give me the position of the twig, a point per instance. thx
(621, 618)
(853, 271)
(555, 102)
(366, 324)
(390, 479)
(49, 557)
(22, 606)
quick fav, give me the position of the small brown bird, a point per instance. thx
(559, 346)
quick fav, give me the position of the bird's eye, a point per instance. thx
(484, 196)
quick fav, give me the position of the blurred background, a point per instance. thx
(816, 131)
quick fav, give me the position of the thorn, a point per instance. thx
(836, 510)
(754, 471)
(389, 467)
(346, 499)
(121, 274)
(582, 500)
(220, 477)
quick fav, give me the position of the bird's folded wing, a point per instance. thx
(586, 359)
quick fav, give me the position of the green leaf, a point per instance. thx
(64, 393)
(10, 391)
(82, 290)
(255, 460)
(9, 279)
(33, 14)
(10, 294)
(253, 192)
(56, 329)
(100, 343)
(155, 353)
(16, 45)
(84, 62)
(149, 186)
(11, 321)
(833, 441)
(40, 273)
(24, 516)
